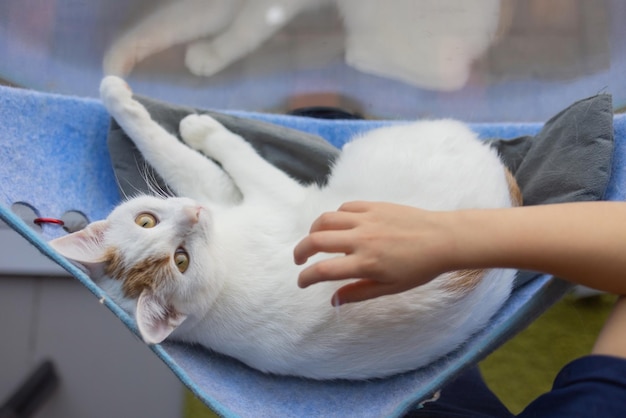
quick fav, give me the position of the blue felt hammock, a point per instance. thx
(54, 156)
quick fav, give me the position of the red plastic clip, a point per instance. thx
(54, 221)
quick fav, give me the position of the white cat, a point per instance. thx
(216, 267)
(427, 43)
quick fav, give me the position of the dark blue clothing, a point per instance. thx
(589, 387)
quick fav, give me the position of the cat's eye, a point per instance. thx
(181, 259)
(146, 220)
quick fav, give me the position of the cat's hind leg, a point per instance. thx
(255, 22)
(251, 173)
(169, 24)
(186, 172)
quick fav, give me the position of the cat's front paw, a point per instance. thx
(115, 92)
(117, 97)
(196, 130)
(113, 86)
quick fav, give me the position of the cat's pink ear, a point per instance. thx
(85, 247)
(156, 320)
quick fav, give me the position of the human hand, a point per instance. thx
(389, 248)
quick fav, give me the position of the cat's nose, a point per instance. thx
(192, 213)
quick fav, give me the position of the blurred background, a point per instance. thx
(479, 61)
(488, 60)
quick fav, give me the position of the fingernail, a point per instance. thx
(336, 301)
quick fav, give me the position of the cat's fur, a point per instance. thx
(429, 43)
(239, 295)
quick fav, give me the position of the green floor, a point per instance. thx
(525, 366)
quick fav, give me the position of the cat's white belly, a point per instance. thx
(283, 329)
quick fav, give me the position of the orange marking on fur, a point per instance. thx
(464, 281)
(114, 264)
(147, 273)
(514, 191)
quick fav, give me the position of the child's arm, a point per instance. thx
(612, 338)
(393, 248)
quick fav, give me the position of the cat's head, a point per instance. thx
(153, 257)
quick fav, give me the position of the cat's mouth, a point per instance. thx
(201, 210)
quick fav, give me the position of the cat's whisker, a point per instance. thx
(136, 191)
(149, 177)
(120, 188)
(155, 188)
